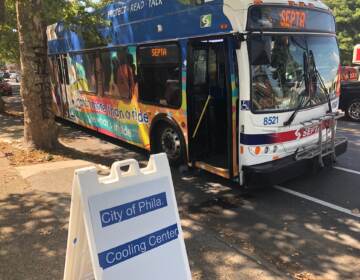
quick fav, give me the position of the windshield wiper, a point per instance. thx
(321, 80)
(303, 94)
(298, 108)
(309, 74)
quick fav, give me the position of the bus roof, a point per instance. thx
(140, 21)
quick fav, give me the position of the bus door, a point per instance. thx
(209, 106)
(62, 80)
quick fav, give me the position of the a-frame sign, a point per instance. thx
(126, 225)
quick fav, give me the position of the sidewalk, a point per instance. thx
(35, 201)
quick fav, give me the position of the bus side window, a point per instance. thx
(59, 69)
(85, 69)
(118, 73)
(159, 75)
(52, 70)
(66, 70)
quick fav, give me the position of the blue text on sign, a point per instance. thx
(138, 246)
(132, 209)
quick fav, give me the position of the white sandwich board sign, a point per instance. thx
(126, 225)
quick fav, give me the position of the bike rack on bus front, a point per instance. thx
(326, 144)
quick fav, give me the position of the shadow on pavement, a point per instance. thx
(11, 127)
(33, 232)
(292, 235)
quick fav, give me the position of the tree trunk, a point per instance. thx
(40, 130)
(2, 105)
(2, 11)
(2, 19)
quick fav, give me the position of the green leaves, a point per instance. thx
(70, 12)
(9, 45)
(347, 13)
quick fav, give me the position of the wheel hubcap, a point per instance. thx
(170, 143)
(354, 111)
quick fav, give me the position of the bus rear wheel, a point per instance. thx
(169, 140)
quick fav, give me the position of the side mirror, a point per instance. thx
(260, 50)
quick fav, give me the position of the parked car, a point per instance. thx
(5, 87)
(349, 73)
(6, 75)
(350, 99)
(15, 76)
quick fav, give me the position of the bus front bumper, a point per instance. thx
(279, 171)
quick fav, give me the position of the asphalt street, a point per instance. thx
(339, 186)
(309, 224)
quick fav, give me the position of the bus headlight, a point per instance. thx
(264, 150)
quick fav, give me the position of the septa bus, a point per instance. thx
(247, 90)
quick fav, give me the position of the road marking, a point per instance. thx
(347, 170)
(318, 201)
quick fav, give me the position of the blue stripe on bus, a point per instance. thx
(256, 139)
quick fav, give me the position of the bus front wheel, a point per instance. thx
(169, 140)
(353, 110)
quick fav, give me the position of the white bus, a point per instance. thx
(248, 90)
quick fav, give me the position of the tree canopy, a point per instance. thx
(347, 13)
(23, 38)
(9, 39)
(53, 11)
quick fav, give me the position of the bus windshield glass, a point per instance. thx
(289, 18)
(291, 72)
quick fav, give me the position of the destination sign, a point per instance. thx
(159, 54)
(290, 18)
(156, 52)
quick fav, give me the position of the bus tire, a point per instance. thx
(169, 140)
(353, 110)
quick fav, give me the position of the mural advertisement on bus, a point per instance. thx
(114, 110)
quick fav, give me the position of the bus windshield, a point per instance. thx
(280, 71)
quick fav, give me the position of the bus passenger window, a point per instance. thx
(66, 70)
(118, 73)
(200, 67)
(84, 67)
(159, 75)
(52, 70)
(60, 72)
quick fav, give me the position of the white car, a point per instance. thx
(15, 76)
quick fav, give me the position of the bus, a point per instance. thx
(247, 90)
